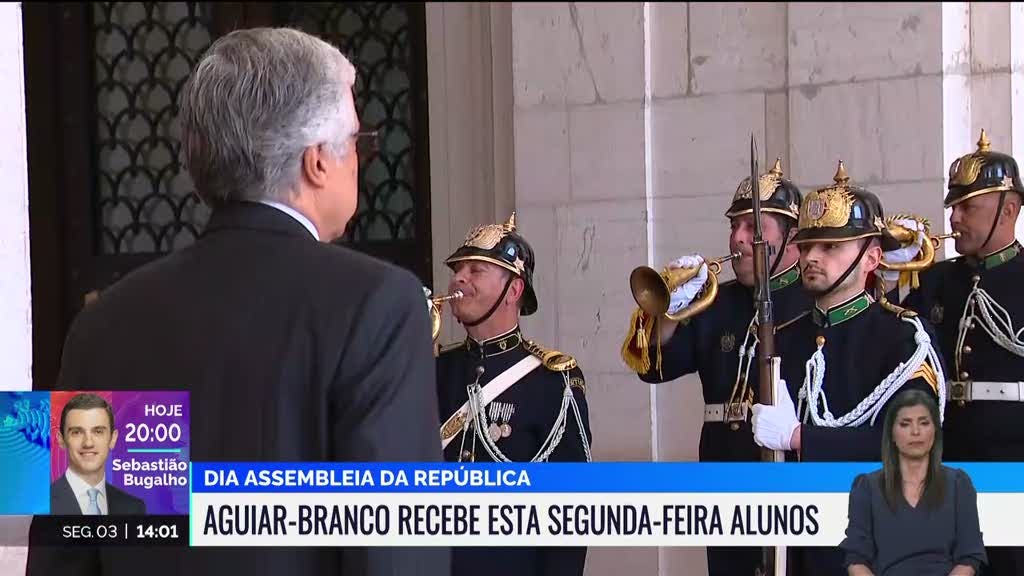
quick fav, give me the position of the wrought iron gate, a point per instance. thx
(107, 190)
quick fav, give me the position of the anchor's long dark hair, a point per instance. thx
(892, 478)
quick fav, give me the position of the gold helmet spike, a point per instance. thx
(510, 226)
(777, 169)
(983, 142)
(841, 176)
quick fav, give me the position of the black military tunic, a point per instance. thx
(522, 418)
(979, 430)
(864, 343)
(709, 344)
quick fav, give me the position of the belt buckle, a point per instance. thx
(736, 412)
(959, 392)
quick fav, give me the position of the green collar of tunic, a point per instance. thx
(842, 312)
(785, 278)
(1000, 257)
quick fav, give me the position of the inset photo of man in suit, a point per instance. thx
(87, 434)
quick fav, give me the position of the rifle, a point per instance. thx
(773, 560)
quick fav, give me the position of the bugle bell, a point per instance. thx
(652, 290)
(434, 305)
(905, 236)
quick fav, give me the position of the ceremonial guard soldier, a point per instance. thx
(847, 356)
(504, 398)
(974, 301)
(711, 329)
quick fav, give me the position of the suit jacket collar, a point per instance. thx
(254, 216)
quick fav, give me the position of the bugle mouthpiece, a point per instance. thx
(937, 240)
(453, 296)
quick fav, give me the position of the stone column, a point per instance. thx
(997, 71)
(581, 198)
(15, 274)
(15, 288)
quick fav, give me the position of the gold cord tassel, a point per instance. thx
(911, 279)
(636, 347)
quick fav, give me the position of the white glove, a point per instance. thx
(774, 425)
(684, 294)
(902, 255)
(426, 294)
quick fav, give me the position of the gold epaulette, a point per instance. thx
(635, 348)
(553, 359)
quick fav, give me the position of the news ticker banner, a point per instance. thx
(552, 504)
(143, 461)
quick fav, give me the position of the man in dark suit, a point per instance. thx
(293, 349)
(87, 434)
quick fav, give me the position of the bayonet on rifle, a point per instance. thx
(773, 558)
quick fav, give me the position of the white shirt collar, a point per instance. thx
(80, 488)
(294, 214)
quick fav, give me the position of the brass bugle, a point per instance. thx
(435, 311)
(925, 259)
(652, 290)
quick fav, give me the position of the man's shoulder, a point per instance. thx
(891, 322)
(62, 498)
(552, 360)
(335, 272)
(449, 353)
(733, 302)
(940, 271)
(557, 366)
(732, 291)
(61, 487)
(123, 500)
(337, 267)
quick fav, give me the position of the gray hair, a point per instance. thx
(254, 102)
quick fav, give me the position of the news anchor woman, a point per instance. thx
(914, 517)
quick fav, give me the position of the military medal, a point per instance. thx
(506, 430)
(494, 431)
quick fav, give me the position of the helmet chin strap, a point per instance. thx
(995, 222)
(494, 307)
(782, 248)
(849, 270)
